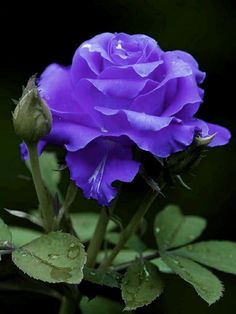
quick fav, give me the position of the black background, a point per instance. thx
(35, 35)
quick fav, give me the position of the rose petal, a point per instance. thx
(183, 91)
(73, 136)
(137, 120)
(98, 165)
(154, 102)
(99, 43)
(161, 136)
(188, 111)
(171, 139)
(200, 76)
(91, 96)
(222, 137)
(56, 88)
(121, 88)
(88, 59)
(205, 129)
(134, 71)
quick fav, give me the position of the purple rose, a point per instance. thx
(122, 91)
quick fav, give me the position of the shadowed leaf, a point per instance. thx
(173, 229)
(217, 254)
(85, 223)
(141, 285)
(207, 285)
(100, 305)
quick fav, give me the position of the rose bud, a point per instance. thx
(31, 118)
(183, 162)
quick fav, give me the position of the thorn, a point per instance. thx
(15, 102)
(181, 181)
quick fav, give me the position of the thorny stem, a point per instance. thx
(63, 217)
(99, 234)
(98, 237)
(145, 258)
(131, 228)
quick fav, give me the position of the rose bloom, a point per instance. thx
(122, 91)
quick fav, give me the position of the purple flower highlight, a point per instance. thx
(122, 91)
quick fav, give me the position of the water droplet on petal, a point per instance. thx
(104, 130)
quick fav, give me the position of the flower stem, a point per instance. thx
(68, 306)
(144, 258)
(98, 237)
(45, 203)
(63, 220)
(70, 196)
(131, 228)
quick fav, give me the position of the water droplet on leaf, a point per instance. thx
(53, 256)
(146, 272)
(74, 251)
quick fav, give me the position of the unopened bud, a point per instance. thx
(188, 159)
(32, 118)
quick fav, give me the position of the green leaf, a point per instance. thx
(134, 243)
(207, 285)
(141, 285)
(105, 278)
(173, 229)
(217, 254)
(54, 257)
(161, 265)
(5, 233)
(124, 256)
(21, 236)
(100, 305)
(85, 223)
(50, 172)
